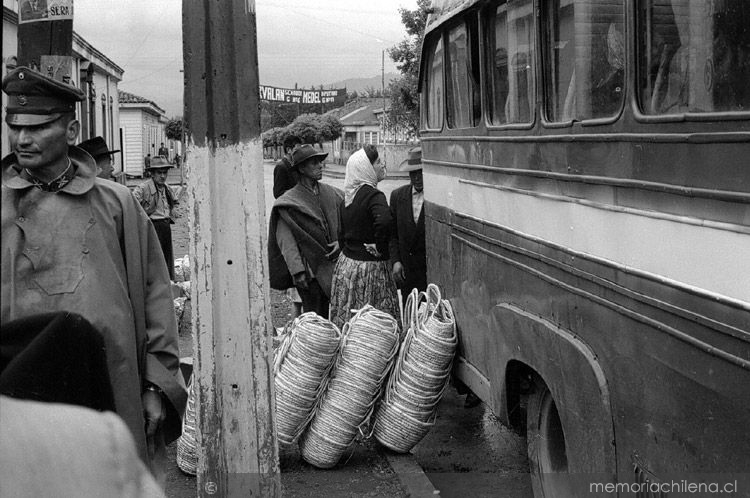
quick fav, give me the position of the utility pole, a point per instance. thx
(382, 83)
(45, 41)
(238, 454)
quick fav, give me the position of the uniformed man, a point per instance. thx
(74, 242)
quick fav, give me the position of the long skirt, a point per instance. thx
(357, 283)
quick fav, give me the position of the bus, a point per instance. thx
(587, 193)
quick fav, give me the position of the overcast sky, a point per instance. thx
(308, 43)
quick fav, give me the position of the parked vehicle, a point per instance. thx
(587, 183)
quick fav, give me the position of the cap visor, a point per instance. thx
(31, 119)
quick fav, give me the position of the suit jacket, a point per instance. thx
(407, 243)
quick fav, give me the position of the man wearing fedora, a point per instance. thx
(407, 245)
(303, 233)
(158, 201)
(97, 148)
(75, 243)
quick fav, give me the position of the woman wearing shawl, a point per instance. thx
(362, 274)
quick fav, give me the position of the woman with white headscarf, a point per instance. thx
(362, 274)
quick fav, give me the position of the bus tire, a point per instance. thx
(547, 450)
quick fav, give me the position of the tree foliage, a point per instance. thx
(404, 111)
(174, 129)
(310, 128)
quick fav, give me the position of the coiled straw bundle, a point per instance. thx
(301, 367)
(420, 374)
(368, 350)
(187, 447)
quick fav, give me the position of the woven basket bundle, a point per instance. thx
(187, 447)
(369, 347)
(301, 367)
(420, 375)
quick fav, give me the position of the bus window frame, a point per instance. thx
(430, 40)
(484, 69)
(445, 29)
(635, 76)
(542, 56)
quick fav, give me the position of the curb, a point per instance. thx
(411, 475)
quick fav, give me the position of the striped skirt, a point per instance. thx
(357, 283)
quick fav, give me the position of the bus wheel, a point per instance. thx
(548, 458)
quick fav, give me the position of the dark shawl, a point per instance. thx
(313, 221)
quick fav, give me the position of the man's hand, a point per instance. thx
(335, 250)
(399, 274)
(300, 280)
(154, 410)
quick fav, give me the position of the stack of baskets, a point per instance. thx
(420, 374)
(301, 367)
(187, 451)
(369, 347)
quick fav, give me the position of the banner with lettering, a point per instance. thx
(295, 96)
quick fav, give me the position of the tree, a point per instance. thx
(330, 127)
(404, 111)
(174, 129)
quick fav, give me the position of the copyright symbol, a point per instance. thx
(211, 487)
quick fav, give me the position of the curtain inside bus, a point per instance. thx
(509, 36)
(584, 55)
(694, 57)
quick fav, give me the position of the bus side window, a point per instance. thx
(433, 99)
(462, 88)
(584, 54)
(510, 61)
(694, 56)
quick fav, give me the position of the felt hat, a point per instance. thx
(35, 99)
(305, 152)
(413, 162)
(159, 162)
(96, 147)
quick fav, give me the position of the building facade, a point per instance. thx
(143, 125)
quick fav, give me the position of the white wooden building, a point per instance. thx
(143, 125)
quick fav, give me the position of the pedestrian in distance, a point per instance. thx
(163, 151)
(284, 175)
(97, 148)
(147, 162)
(158, 200)
(407, 244)
(362, 274)
(77, 243)
(303, 225)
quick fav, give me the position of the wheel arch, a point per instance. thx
(532, 345)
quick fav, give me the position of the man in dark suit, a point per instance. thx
(407, 245)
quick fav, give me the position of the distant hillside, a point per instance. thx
(360, 84)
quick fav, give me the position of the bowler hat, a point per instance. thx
(158, 162)
(34, 99)
(305, 152)
(96, 147)
(413, 162)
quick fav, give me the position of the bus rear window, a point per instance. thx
(694, 57)
(463, 95)
(434, 85)
(510, 58)
(584, 53)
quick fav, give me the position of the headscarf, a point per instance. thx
(359, 171)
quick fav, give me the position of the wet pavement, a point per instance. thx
(468, 453)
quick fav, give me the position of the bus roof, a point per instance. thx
(442, 10)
